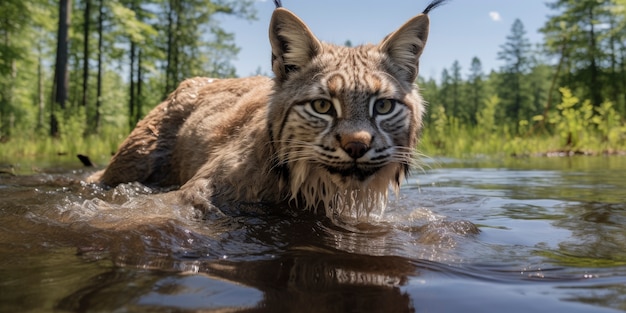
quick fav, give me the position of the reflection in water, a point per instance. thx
(552, 239)
(292, 282)
(598, 232)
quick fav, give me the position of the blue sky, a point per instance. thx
(460, 30)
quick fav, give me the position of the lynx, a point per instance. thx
(334, 130)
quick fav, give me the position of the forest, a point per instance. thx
(76, 76)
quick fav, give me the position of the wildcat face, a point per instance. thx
(344, 121)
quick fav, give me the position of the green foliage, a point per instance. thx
(439, 126)
(486, 117)
(610, 126)
(588, 36)
(572, 120)
(574, 127)
(519, 117)
(475, 89)
(28, 29)
(513, 88)
(129, 24)
(195, 42)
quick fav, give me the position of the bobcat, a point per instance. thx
(333, 130)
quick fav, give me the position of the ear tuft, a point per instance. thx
(293, 43)
(434, 5)
(405, 45)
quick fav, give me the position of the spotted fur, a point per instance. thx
(333, 130)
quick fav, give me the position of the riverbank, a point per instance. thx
(460, 143)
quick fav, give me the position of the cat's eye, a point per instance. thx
(384, 106)
(322, 106)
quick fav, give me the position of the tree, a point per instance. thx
(196, 44)
(84, 89)
(616, 37)
(43, 25)
(458, 109)
(586, 34)
(86, 34)
(475, 88)
(430, 91)
(96, 118)
(444, 91)
(132, 18)
(515, 54)
(60, 70)
(13, 18)
(538, 85)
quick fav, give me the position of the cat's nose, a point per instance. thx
(356, 144)
(356, 149)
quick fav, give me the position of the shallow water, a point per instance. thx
(552, 239)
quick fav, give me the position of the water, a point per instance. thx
(552, 238)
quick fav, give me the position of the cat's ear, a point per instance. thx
(293, 43)
(405, 45)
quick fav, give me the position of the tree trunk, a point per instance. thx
(61, 77)
(622, 102)
(176, 49)
(169, 79)
(596, 90)
(99, 75)
(557, 72)
(614, 54)
(86, 53)
(139, 101)
(40, 87)
(131, 98)
(61, 74)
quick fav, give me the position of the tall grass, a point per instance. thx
(72, 140)
(98, 147)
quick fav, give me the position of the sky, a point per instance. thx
(459, 30)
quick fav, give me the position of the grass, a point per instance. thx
(40, 147)
(464, 144)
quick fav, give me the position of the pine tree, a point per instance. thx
(515, 54)
(445, 91)
(475, 89)
(456, 85)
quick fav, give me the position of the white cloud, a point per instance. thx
(495, 16)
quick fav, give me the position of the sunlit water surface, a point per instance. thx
(518, 235)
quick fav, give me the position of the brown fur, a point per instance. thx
(251, 140)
